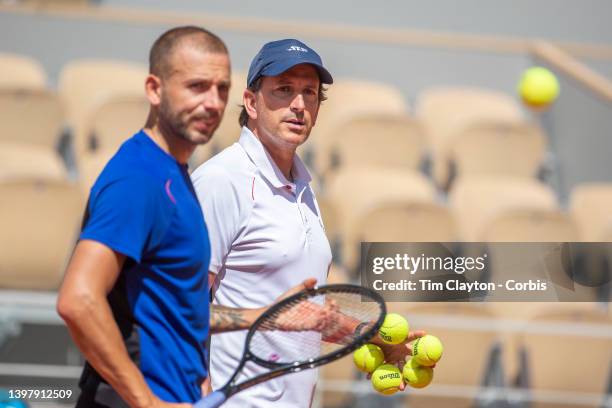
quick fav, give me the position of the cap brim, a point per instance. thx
(279, 68)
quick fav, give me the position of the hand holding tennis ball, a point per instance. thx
(416, 375)
(427, 350)
(394, 329)
(368, 358)
(387, 379)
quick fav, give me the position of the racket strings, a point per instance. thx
(313, 327)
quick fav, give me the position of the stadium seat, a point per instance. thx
(567, 352)
(445, 111)
(40, 224)
(531, 225)
(407, 222)
(497, 147)
(90, 167)
(21, 72)
(111, 121)
(379, 139)
(590, 205)
(475, 201)
(357, 190)
(416, 224)
(346, 99)
(31, 124)
(84, 83)
(19, 161)
(543, 229)
(30, 117)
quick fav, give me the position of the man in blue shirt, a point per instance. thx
(135, 294)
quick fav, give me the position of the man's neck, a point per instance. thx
(176, 147)
(284, 161)
(281, 155)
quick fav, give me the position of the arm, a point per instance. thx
(83, 305)
(225, 319)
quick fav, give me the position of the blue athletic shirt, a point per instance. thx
(143, 205)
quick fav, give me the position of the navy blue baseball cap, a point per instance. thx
(276, 57)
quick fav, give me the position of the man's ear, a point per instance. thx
(316, 115)
(249, 101)
(153, 89)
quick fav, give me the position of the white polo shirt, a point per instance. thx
(266, 236)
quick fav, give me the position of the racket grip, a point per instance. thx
(212, 400)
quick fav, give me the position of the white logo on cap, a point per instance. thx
(296, 48)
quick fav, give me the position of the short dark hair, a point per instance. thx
(165, 45)
(256, 86)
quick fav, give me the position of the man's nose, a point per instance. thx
(297, 104)
(213, 100)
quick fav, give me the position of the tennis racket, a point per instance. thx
(306, 330)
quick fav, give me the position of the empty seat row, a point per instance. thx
(467, 130)
(379, 204)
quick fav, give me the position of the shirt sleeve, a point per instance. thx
(221, 207)
(127, 215)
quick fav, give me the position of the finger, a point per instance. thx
(402, 386)
(309, 283)
(306, 284)
(415, 335)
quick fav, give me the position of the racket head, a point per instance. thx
(329, 315)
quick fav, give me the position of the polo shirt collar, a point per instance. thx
(268, 168)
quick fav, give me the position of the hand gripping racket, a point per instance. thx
(303, 331)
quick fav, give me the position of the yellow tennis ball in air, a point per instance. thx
(538, 87)
(368, 357)
(386, 379)
(416, 375)
(394, 329)
(427, 350)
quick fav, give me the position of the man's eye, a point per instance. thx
(285, 89)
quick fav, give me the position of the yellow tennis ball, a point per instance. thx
(368, 357)
(427, 350)
(386, 379)
(416, 375)
(538, 87)
(394, 329)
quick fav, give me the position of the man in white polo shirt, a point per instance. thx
(263, 220)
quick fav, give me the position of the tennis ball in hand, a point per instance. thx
(427, 350)
(394, 329)
(368, 357)
(386, 379)
(416, 375)
(538, 87)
